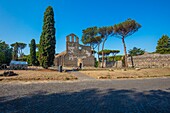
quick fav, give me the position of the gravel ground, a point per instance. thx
(34, 75)
(119, 74)
(88, 96)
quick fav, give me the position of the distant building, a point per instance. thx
(18, 64)
(75, 54)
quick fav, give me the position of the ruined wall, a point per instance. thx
(118, 64)
(89, 62)
(71, 52)
(150, 60)
(115, 64)
(56, 61)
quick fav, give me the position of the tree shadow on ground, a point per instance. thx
(90, 101)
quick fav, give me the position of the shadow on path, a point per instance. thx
(90, 101)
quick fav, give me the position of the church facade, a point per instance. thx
(75, 55)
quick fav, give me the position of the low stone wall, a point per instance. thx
(150, 60)
(115, 64)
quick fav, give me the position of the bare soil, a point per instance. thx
(132, 73)
(32, 75)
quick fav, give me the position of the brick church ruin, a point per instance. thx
(76, 55)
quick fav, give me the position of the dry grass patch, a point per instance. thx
(119, 74)
(30, 75)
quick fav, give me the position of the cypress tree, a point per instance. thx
(33, 52)
(47, 39)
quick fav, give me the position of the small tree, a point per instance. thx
(124, 30)
(5, 53)
(114, 53)
(136, 51)
(17, 49)
(105, 32)
(47, 39)
(163, 46)
(89, 35)
(118, 57)
(21, 46)
(107, 52)
(33, 52)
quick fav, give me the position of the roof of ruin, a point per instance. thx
(61, 54)
(72, 34)
(13, 62)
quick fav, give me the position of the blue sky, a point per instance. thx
(22, 20)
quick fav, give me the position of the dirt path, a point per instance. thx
(82, 76)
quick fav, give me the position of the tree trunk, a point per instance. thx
(113, 58)
(21, 53)
(98, 54)
(132, 61)
(123, 41)
(106, 60)
(103, 52)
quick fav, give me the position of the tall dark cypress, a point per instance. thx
(47, 39)
(33, 52)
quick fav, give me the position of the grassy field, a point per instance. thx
(132, 73)
(29, 75)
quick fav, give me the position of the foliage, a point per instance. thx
(37, 46)
(163, 45)
(5, 53)
(114, 58)
(20, 46)
(164, 51)
(27, 59)
(17, 49)
(95, 36)
(15, 52)
(105, 52)
(108, 52)
(136, 51)
(98, 39)
(118, 58)
(125, 29)
(47, 39)
(105, 32)
(89, 35)
(33, 52)
(37, 57)
(96, 64)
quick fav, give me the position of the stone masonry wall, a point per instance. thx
(75, 54)
(150, 60)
